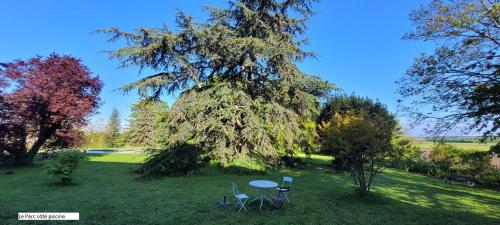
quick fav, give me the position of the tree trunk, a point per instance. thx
(44, 135)
(19, 158)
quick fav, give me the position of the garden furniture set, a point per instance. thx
(263, 186)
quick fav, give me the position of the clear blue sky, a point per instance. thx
(358, 41)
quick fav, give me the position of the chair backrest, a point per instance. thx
(287, 181)
(235, 188)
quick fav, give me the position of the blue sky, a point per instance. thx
(358, 41)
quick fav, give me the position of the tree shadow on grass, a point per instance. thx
(415, 183)
(105, 192)
(402, 210)
(389, 205)
(341, 205)
(406, 194)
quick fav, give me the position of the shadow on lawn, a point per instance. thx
(407, 193)
(388, 207)
(400, 198)
(204, 170)
(402, 204)
(319, 196)
(429, 194)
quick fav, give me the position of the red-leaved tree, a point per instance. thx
(44, 102)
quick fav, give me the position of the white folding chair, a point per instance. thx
(241, 199)
(285, 187)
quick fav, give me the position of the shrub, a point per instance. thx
(495, 148)
(490, 177)
(358, 135)
(178, 159)
(64, 164)
(445, 157)
(405, 154)
(445, 160)
(424, 167)
(474, 163)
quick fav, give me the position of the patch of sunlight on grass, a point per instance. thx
(126, 147)
(470, 204)
(118, 157)
(107, 192)
(416, 197)
(314, 156)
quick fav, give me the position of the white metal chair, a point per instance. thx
(241, 199)
(285, 187)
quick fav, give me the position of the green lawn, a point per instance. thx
(463, 146)
(106, 192)
(125, 147)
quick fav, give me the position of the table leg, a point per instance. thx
(261, 201)
(269, 200)
(255, 199)
(262, 196)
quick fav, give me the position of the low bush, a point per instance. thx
(445, 158)
(405, 155)
(474, 163)
(357, 133)
(424, 167)
(490, 178)
(63, 165)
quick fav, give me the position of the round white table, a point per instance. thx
(262, 185)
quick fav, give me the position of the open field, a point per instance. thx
(463, 146)
(106, 192)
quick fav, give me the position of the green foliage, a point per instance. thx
(445, 157)
(474, 163)
(146, 123)
(310, 128)
(405, 155)
(113, 129)
(358, 135)
(63, 165)
(247, 166)
(242, 92)
(178, 159)
(94, 138)
(490, 177)
(425, 167)
(253, 41)
(344, 104)
(230, 125)
(495, 149)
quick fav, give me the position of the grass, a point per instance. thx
(99, 147)
(463, 146)
(106, 192)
